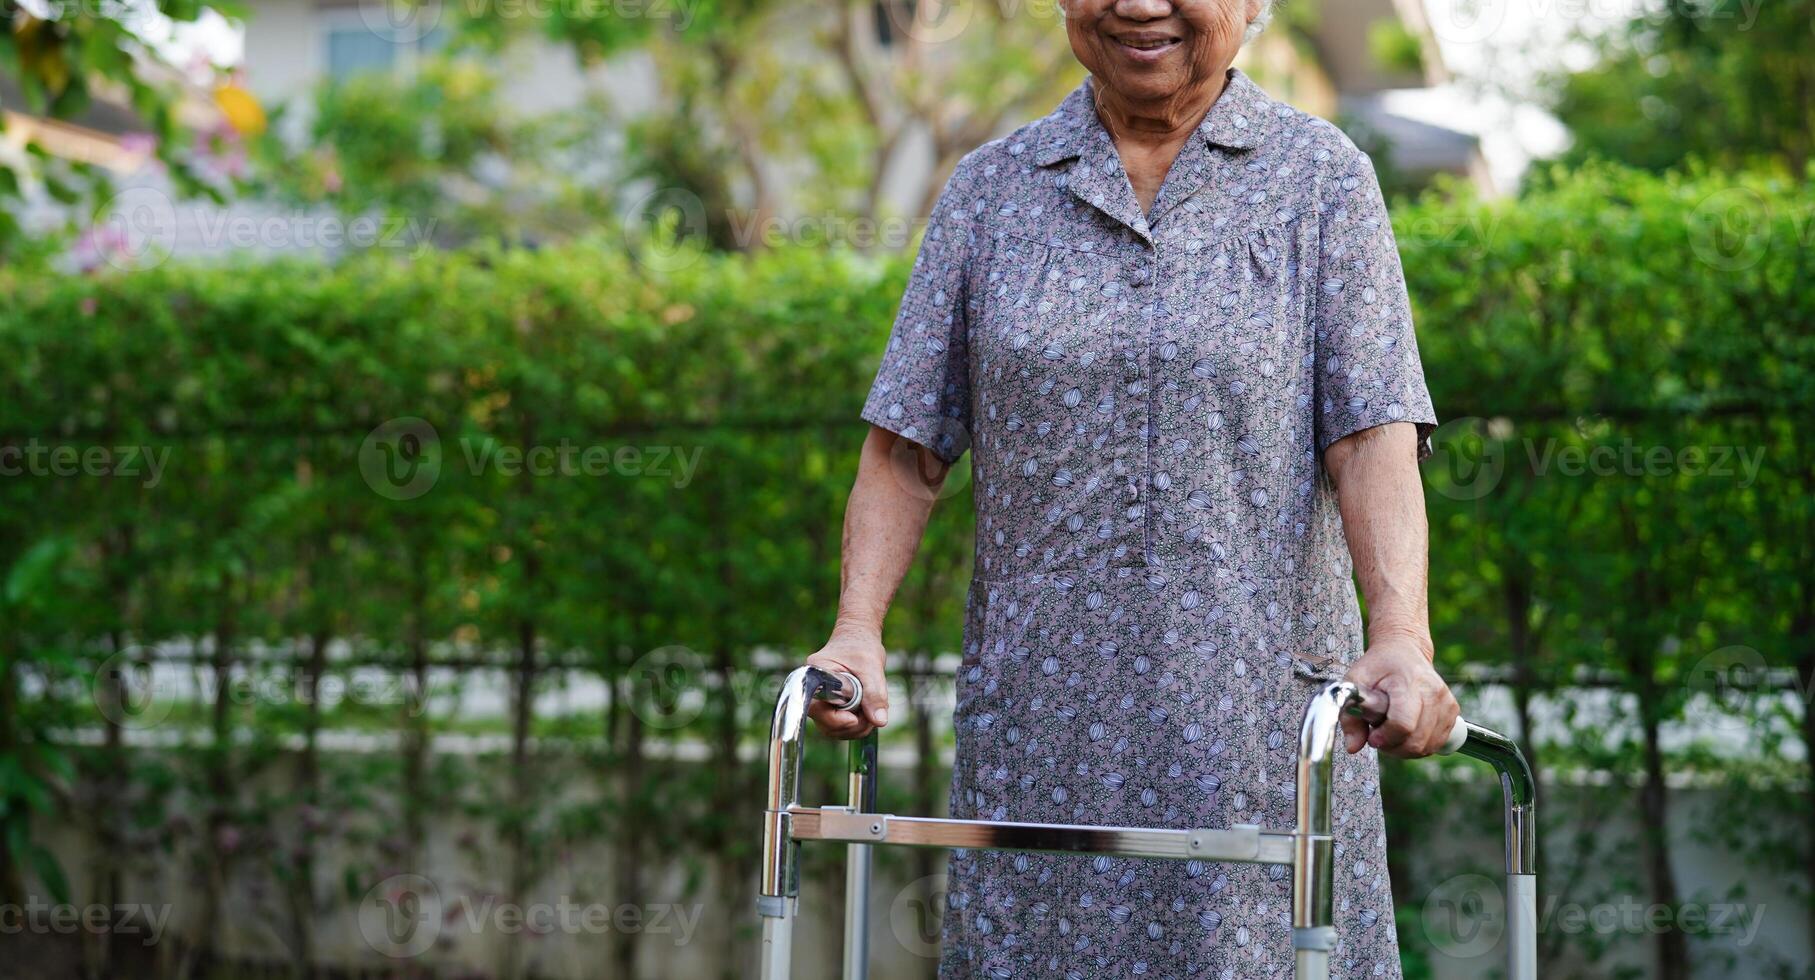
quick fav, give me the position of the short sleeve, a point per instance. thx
(922, 389)
(1368, 370)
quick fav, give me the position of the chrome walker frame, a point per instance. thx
(1306, 849)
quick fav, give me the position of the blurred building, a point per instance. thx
(1375, 68)
(1372, 66)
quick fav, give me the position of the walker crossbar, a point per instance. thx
(1306, 849)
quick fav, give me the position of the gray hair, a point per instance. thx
(1260, 22)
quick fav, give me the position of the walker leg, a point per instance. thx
(778, 938)
(857, 863)
(1520, 791)
(777, 897)
(1522, 927)
(1314, 865)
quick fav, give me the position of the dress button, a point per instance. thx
(1138, 276)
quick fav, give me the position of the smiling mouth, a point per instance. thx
(1147, 45)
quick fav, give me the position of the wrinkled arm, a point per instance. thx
(897, 483)
(1382, 500)
(1375, 472)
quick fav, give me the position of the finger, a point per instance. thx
(1355, 731)
(1402, 717)
(837, 723)
(1438, 716)
(1354, 734)
(875, 704)
(1444, 715)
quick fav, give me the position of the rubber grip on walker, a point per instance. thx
(1322, 938)
(1371, 707)
(1457, 736)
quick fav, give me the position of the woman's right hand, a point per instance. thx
(860, 653)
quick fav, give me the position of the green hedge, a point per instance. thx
(1671, 312)
(1609, 311)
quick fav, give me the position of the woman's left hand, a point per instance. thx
(1420, 710)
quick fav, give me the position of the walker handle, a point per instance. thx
(1371, 706)
(841, 690)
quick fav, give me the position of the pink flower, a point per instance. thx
(144, 143)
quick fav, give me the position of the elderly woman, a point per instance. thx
(1170, 321)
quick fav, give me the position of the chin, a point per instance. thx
(1148, 82)
(1151, 89)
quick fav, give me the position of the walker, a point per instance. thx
(1306, 849)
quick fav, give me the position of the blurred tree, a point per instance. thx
(439, 157)
(64, 56)
(1596, 528)
(781, 106)
(850, 115)
(1726, 83)
(952, 74)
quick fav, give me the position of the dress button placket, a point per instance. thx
(1139, 385)
(1127, 547)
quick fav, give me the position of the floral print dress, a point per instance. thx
(1161, 579)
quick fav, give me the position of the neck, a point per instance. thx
(1160, 121)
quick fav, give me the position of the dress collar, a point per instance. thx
(1238, 121)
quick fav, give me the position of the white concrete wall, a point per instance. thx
(707, 925)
